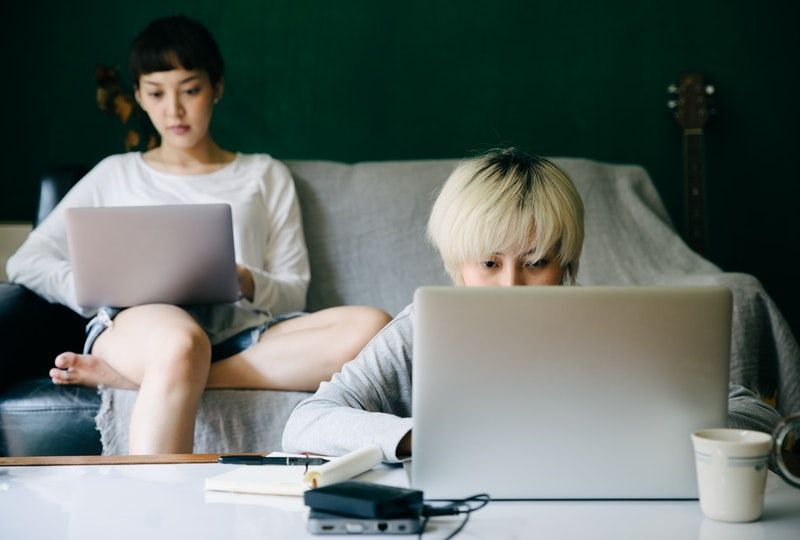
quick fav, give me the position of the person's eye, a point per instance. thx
(490, 264)
(193, 91)
(540, 263)
(155, 94)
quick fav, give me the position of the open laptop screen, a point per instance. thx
(566, 392)
(131, 255)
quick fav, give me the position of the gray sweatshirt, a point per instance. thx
(369, 402)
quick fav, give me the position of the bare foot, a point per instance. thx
(87, 370)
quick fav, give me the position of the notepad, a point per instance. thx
(293, 479)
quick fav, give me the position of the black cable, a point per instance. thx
(422, 528)
(454, 508)
(458, 530)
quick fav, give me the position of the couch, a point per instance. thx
(364, 226)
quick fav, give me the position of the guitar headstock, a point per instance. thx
(691, 102)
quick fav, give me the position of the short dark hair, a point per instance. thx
(173, 42)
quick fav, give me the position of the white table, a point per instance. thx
(155, 501)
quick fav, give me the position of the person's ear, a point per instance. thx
(218, 90)
(137, 95)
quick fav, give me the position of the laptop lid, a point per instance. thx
(131, 255)
(566, 392)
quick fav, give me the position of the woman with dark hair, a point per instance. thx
(172, 353)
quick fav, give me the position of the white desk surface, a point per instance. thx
(149, 502)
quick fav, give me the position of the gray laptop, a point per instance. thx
(566, 392)
(131, 255)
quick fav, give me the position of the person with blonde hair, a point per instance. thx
(504, 218)
(508, 202)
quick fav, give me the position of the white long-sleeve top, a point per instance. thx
(267, 231)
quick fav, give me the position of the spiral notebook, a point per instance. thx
(294, 479)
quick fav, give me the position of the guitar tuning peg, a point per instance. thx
(710, 89)
(673, 103)
(672, 89)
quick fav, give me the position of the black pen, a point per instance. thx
(236, 459)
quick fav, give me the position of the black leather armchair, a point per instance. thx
(36, 416)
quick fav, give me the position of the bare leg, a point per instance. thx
(300, 353)
(163, 350)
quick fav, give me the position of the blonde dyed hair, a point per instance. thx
(507, 201)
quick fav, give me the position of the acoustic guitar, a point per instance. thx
(690, 104)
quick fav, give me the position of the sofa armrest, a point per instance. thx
(39, 418)
(32, 332)
(53, 185)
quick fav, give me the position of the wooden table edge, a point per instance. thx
(28, 461)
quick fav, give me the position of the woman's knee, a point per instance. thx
(358, 325)
(181, 352)
(371, 320)
(141, 337)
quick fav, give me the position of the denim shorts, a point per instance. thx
(225, 349)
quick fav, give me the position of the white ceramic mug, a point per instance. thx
(731, 472)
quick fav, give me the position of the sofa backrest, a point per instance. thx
(365, 229)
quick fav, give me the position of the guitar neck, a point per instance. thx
(694, 185)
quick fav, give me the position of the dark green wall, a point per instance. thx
(373, 80)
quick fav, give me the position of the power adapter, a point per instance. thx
(365, 500)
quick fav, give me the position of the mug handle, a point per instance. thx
(779, 435)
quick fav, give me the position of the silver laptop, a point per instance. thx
(566, 392)
(131, 255)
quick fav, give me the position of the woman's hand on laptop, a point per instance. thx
(404, 446)
(246, 284)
